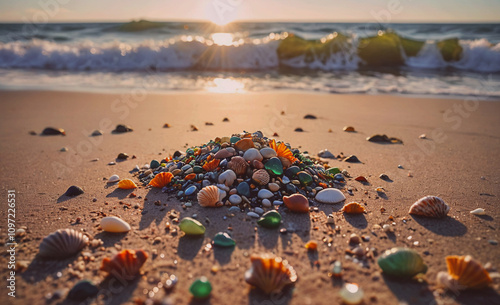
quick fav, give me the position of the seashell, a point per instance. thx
(63, 243)
(283, 152)
(227, 177)
(268, 153)
(297, 203)
(463, 273)
(125, 264)
(311, 245)
(238, 165)
(244, 144)
(73, 191)
(161, 179)
(261, 177)
(353, 208)
(210, 166)
(113, 179)
(330, 195)
(402, 262)
(252, 154)
(126, 184)
(430, 206)
(349, 129)
(223, 154)
(210, 196)
(361, 179)
(114, 224)
(269, 273)
(478, 211)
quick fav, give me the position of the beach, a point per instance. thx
(457, 160)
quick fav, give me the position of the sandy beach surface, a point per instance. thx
(458, 161)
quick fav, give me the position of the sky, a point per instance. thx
(223, 11)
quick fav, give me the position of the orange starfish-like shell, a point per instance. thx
(210, 166)
(161, 179)
(282, 151)
(467, 272)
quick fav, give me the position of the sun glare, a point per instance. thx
(226, 85)
(222, 39)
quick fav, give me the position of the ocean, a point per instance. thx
(446, 60)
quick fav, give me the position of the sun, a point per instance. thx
(222, 39)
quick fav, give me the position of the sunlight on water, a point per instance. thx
(226, 85)
(223, 39)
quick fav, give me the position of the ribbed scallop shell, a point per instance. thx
(63, 243)
(402, 262)
(126, 264)
(463, 273)
(430, 206)
(161, 179)
(330, 195)
(353, 208)
(261, 177)
(126, 184)
(270, 273)
(238, 165)
(209, 196)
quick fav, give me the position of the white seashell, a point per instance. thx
(223, 187)
(430, 206)
(62, 243)
(252, 154)
(235, 199)
(268, 153)
(113, 179)
(478, 211)
(114, 224)
(265, 194)
(253, 214)
(227, 177)
(330, 195)
(273, 187)
(266, 203)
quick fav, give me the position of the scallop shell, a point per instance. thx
(227, 177)
(210, 196)
(126, 184)
(430, 206)
(330, 195)
(244, 144)
(402, 262)
(126, 264)
(353, 208)
(114, 224)
(269, 273)
(210, 166)
(238, 165)
(463, 273)
(113, 179)
(261, 177)
(62, 243)
(161, 179)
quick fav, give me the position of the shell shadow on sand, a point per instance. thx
(255, 296)
(39, 268)
(189, 246)
(110, 239)
(409, 291)
(119, 193)
(447, 226)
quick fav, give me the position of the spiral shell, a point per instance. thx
(430, 206)
(353, 208)
(126, 264)
(261, 177)
(402, 262)
(270, 273)
(238, 165)
(63, 243)
(126, 184)
(162, 179)
(463, 272)
(210, 196)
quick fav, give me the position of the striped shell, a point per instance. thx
(238, 165)
(261, 177)
(463, 273)
(269, 273)
(125, 264)
(353, 208)
(210, 196)
(402, 262)
(63, 243)
(161, 179)
(126, 184)
(330, 195)
(430, 206)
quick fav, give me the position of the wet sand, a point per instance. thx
(457, 162)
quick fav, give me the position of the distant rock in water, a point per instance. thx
(74, 191)
(122, 128)
(310, 117)
(140, 25)
(51, 131)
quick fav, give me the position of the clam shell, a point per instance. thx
(464, 272)
(62, 243)
(261, 177)
(252, 154)
(238, 165)
(269, 273)
(125, 264)
(402, 262)
(114, 224)
(330, 195)
(353, 208)
(113, 179)
(430, 206)
(209, 196)
(126, 184)
(227, 177)
(161, 179)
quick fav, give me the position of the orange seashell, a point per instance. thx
(464, 272)
(297, 203)
(210, 166)
(283, 152)
(353, 208)
(210, 196)
(244, 144)
(161, 179)
(126, 184)
(190, 177)
(261, 177)
(238, 165)
(311, 245)
(125, 264)
(361, 179)
(269, 273)
(430, 206)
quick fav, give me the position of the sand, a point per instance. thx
(458, 162)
